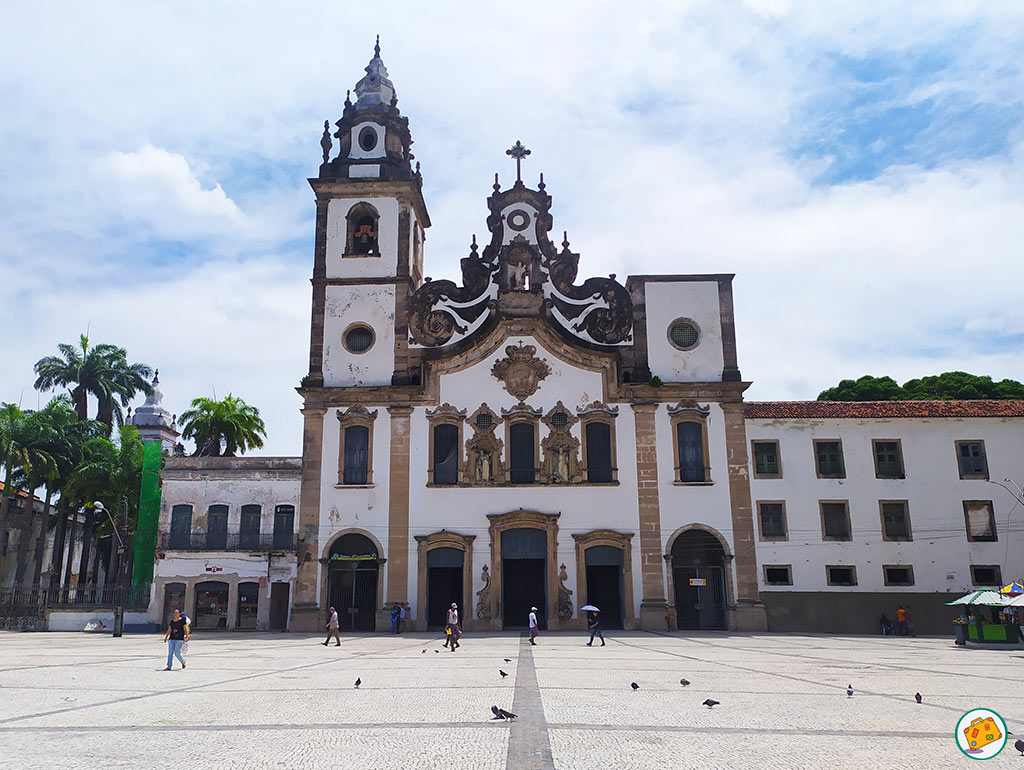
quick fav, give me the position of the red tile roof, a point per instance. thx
(764, 410)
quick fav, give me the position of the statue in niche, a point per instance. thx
(517, 277)
(483, 471)
(560, 466)
(564, 595)
(483, 604)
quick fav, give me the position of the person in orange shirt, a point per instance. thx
(901, 622)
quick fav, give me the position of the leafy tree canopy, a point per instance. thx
(936, 387)
(223, 428)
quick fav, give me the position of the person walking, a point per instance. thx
(175, 636)
(394, 618)
(401, 618)
(594, 624)
(901, 621)
(534, 628)
(451, 627)
(332, 629)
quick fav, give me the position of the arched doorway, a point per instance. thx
(444, 584)
(353, 563)
(524, 581)
(604, 583)
(698, 577)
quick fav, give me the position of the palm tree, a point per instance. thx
(102, 370)
(222, 428)
(14, 454)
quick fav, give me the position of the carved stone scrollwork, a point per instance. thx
(447, 410)
(483, 451)
(691, 406)
(600, 307)
(483, 603)
(564, 595)
(598, 406)
(561, 449)
(521, 371)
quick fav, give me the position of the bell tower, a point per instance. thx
(370, 224)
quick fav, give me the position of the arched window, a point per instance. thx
(249, 528)
(362, 239)
(598, 441)
(217, 527)
(522, 452)
(355, 450)
(690, 448)
(181, 528)
(446, 454)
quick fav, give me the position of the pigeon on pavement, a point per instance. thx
(508, 660)
(501, 713)
(1019, 745)
(849, 691)
(710, 703)
(358, 682)
(684, 682)
(917, 697)
(503, 674)
(634, 685)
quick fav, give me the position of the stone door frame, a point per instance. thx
(444, 539)
(621, 540)
(524, 519)
(727, 559)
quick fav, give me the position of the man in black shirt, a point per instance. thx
(177, 633)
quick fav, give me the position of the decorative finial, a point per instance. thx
(473, 247)
(348, 97)
(518, 151)
(376, 48)
(325, 141)
(418, 168)
(394, 99)
(156, 377)
(565, 240)
(497, 187)
(541, 185)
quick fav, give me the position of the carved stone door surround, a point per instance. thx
(621, 540)
(519, 519)
(445, 539)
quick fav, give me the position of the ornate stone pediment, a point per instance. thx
(691, 406)
(600, 407)
(521, 371)
(446, 410)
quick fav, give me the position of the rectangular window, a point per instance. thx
(522, 453)
(599, 452)
(690, 439)
(898, 575)
(772, 517)
(249, 529)
(446, 454)
(980, 520)
(895, 520)
(357, 442)
(841, 575)
(986, 575)
(835, 520)
(181, 527)
(217, 527)
(828, 456)
(766, 460)
(778, 575)
(972, 460)
(888, 459)
(284, 527)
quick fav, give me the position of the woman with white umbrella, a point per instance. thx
(593, 623)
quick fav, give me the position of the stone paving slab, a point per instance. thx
(281, 700)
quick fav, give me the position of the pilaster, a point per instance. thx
(305, 612)
(652, 571)
(398, 512)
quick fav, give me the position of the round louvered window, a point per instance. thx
(684, 334)
(359, 339)
(367, 139)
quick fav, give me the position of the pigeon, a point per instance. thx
(358, 682)
(501, 713)
(634, 685)
(423, 653)
(1019, 745)
(437, 651)
(508, 660)
(710, 703)
(917, 697)
(849, 691)
(684, 682)
(503, 674)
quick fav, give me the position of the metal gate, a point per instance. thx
(700, 597)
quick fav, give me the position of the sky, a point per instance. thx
(860, 170)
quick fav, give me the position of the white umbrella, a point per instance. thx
(589, 608)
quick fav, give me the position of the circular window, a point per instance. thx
(358, 339)
(518, 220)
(367, 139)
(559, 420)
(684, 334)
(484, 421)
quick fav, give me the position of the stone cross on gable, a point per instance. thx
(518, 151)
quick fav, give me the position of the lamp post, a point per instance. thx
(122, 561)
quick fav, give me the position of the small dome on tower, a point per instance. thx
(375, 89)
(152, 412)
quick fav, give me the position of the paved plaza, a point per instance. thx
(284, 701)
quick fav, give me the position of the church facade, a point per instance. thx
(525, 437)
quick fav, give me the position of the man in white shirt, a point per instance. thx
(332, 629)
(452, 630)
(534, 628)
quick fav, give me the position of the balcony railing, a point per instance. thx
(231, 541)
(84, 597)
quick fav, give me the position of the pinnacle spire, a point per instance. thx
(375, 90)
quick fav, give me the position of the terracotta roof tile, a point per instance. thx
(763, 410)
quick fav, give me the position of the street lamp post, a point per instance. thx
(122, 563)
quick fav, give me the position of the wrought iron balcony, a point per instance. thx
(230, 541)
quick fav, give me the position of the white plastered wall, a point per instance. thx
(373, 306)
(694, 300)
(940, 553)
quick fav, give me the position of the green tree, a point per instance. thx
(14, 455)
(102, 370)
(866, 388)
(945, 386)
(223, 428)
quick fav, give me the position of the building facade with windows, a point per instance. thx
(528, 437)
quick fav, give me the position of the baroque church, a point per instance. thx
(530, 436)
